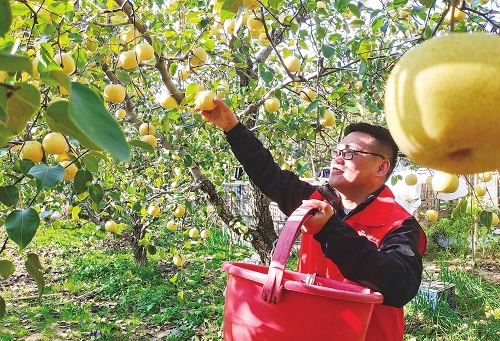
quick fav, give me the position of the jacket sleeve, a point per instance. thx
(394, 269)
(283, 187)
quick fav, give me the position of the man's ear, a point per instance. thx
(383, 168)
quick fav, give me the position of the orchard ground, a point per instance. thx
(95, 290)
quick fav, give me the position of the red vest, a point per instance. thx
(375, 221)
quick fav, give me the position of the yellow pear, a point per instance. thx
(320, 4)
(254, 23)
(205, 100)
(110, 226)
(431, 215)
(411, 179)
(144, 51)
(4, 75)
(307, 94)
(167, 101)
(251, 4)
(154, 210)
(328, 119)
(151, 139)
(147, 128)
(128, 59)
(223, 89)
(55, 143)
(120, 114)
(179, 211)
(229, 26)
(183, 73)
(272, 104)
(485, 176)
(199, 56)
(194, 233)
(114, 93)
(66, 62)
(445, 182)
(179, 260)
(129, 34)
(441, 103)
(458, 15)
(171, 225)
(292, 63)
(263, 40)
(428, 181)
(480, 190)
(32, 150)
(495, 220)
(70, 169)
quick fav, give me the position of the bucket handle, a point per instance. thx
(273, 286)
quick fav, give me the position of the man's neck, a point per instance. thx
(352, 200)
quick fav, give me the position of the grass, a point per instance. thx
(95, 291)
(476, 315)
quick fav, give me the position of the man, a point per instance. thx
(359, 234)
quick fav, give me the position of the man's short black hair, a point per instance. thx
(382, 135)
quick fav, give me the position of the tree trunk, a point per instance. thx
(263, 242)
(140, 253)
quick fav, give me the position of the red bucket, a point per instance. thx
(270, 303)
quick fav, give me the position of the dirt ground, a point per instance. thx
(487, 269)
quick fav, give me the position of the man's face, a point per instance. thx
(361, 170)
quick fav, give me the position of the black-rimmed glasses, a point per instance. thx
(348, 153)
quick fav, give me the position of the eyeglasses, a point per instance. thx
(348, 153)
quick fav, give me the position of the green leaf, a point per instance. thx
(264, 73)
(151, 249)
(395, 179)
(377, 24)
(33, 267)
(90, 115)
(228, 8)
(7, 268)
(5, 17)
(61, 78)
(188, 160)
(25, 165)
(2, 307)
(328, 50)
(460, 208)
(86, 119)
(46, 177)
(9, 195)
(398, 3)
(15, 63)
(91, 162)
(144, 145)
(313, 105)
(17, 105)
(21, 226)
(35, 261)
(83, 179)
(486, 218)
(96, 193)
(123, 76)
(352, 7)
(364, 50)
(97, 155)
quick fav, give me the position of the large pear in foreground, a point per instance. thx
(442, 103)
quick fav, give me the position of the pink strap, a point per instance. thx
(273, 285)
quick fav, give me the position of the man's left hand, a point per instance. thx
(315, 223)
